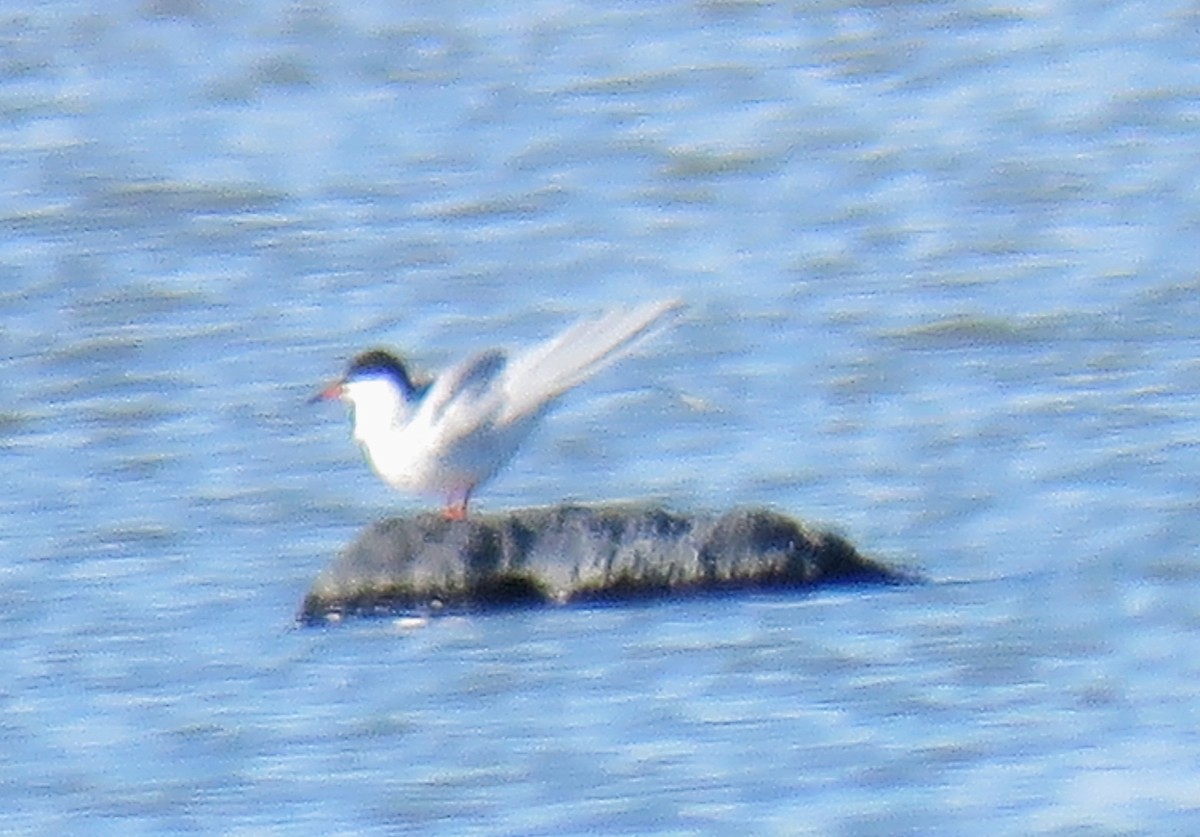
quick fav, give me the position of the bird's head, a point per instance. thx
(379, 391)
(371, 369)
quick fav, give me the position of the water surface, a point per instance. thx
(940, 264)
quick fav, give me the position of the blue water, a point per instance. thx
(941, 267)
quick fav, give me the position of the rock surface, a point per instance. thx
(564, 554)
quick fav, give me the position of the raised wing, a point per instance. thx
(536, 377)
(470, 382)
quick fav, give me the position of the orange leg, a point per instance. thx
(456, 505)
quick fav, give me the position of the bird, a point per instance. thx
(452, 434)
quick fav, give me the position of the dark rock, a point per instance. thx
(564, 554)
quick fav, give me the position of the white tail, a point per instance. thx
(535, 377)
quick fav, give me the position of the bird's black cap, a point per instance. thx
(384, 363)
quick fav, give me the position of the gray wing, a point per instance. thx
(468, 382)
(539, 375)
